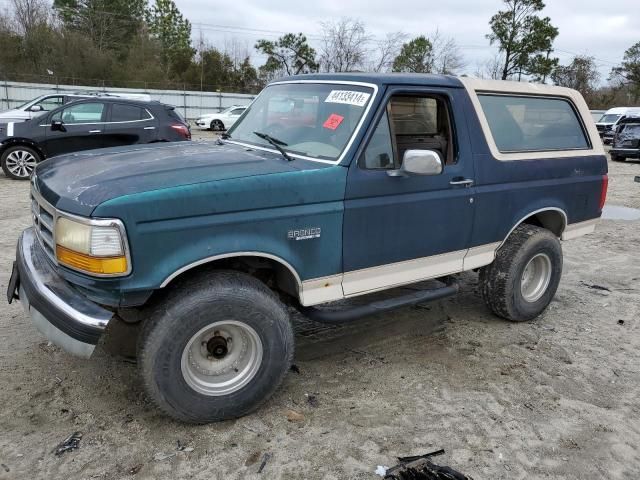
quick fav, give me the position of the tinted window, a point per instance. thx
(237, 111)
(175, 115)
(81, 113)
(530, 124)
(127, 113)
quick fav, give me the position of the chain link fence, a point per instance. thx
(191, 103)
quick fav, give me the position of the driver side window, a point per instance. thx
(410, 122)
(80, 113)
(49, 103)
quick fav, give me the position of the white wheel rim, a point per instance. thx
(536, 277)
(211, 372)
(21, 163)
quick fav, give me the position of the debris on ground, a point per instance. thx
(5, 468)
(294, 368)
(135, 469)
(183, 448)
(252, 459)
(72, 442)
(265, 459)
(161, 456)
(312, 400)
(381, 470)
(294, 416)
(419, 467)
(620, 322)
(593, 286)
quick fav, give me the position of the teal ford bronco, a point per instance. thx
(328, 187)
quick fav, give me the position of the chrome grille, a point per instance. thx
(43, 216)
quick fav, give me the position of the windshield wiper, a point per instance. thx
(278, 144)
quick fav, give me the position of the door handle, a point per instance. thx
(149, 128)
(466, 182)
(94, 131)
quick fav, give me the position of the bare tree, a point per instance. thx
(447, 57)
(344, 45)
(237, 50)
(30, 14)
(491, 68)
(387, 49)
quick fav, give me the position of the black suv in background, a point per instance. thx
(626, 142)
(85, 125)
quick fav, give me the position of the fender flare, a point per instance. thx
(565, 221)
(224, 256)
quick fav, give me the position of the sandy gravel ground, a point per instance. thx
(556, 398)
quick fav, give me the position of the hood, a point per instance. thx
(77, 183)
(13, 115)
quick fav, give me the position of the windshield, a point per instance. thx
(314, 120)
(609, 118)
(24, 105)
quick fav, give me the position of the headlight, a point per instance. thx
(91, 248)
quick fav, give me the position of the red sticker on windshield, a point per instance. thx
(333, 121)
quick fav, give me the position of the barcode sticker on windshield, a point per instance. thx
(348, 97)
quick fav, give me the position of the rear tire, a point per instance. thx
(617, 158)
(19, 162)
(524, 277)
(216, 348)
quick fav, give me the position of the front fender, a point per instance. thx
(13, 141)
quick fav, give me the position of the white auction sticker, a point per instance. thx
(349, 97)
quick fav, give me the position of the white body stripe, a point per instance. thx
(576, 230)
(402, 273)
(10, 129)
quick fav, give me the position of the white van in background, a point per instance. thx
(609, 121)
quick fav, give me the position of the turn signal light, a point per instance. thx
(87, 263)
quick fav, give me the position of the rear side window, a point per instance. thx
(128, 113)
(533, 124)
(175, 115)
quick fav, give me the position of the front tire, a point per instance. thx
(19, 162)
(216, 126)
(524, 277)
(216, 348)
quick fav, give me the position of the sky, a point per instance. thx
(602, 29)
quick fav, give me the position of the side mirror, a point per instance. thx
(36, 108)
(419, 162)
(58, 126)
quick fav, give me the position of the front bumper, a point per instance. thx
(626, 152)
(63, 315)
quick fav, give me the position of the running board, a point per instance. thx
(336, 317)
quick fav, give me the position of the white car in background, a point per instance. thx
(222, 120)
